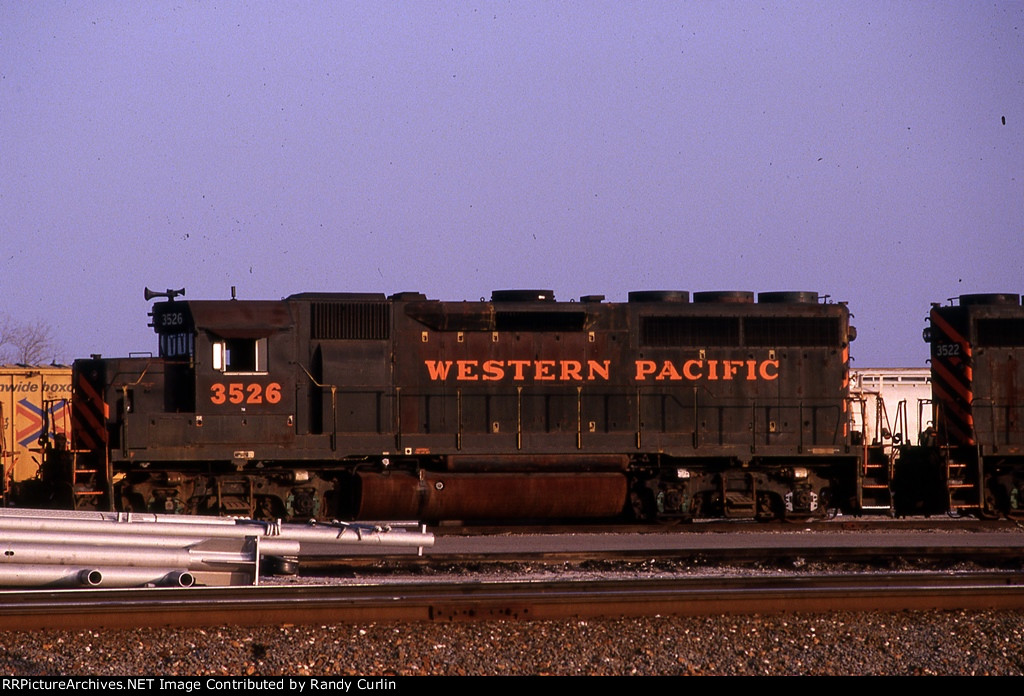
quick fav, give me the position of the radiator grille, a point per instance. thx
(350, 320)
(690, 331)
(1000, 332)
(791, 331)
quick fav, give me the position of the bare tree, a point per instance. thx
(6, 331)
(26, 343)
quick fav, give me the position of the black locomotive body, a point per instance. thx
(971, 458)
(363, 406)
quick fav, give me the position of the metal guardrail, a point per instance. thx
(52, 548)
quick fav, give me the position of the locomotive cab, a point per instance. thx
(228, 366)
(219, 397)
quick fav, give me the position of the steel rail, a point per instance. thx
(790, 556)
(459, 600)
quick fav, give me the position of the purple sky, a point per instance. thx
(853, 149)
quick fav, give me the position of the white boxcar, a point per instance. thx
(897, 403)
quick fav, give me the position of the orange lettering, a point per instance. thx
(438, 369)
(493, 370)
(764, 369)
(219, 394)
(644, 368)
(731, 366)
(668, 371)
(465, 370)
(688, 373)
(712, 369)
(543, 370)
(520, 366)
(571, 370)
(596, 369)
(255, 394)
(248, 393)
(273, 393)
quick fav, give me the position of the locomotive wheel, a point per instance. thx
(131, 502)
(997, 502)
(269, 508)
(643, 504)
(825, 503)
(769, 508)
(697, 505)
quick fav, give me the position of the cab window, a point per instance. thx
(240, 355)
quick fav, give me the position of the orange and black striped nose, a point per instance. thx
(952, 380)
(89, 414)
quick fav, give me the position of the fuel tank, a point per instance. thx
(434, 496)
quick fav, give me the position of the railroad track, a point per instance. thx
(448, 600)
(900, 548)
(850, 523)
(794, 556)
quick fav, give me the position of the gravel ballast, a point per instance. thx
(868, 643)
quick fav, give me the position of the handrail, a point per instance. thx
(334, 404)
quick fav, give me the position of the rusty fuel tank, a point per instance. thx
(433, 496)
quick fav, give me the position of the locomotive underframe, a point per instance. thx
(273, 494)
(1003, 485)
(935, 481)
(474, 487)
(762, 488)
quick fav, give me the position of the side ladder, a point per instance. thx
(875, 482)
(91, 482)
(963, 483)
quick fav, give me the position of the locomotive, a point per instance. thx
(971, 457)
(362, 406)
(665, 407)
